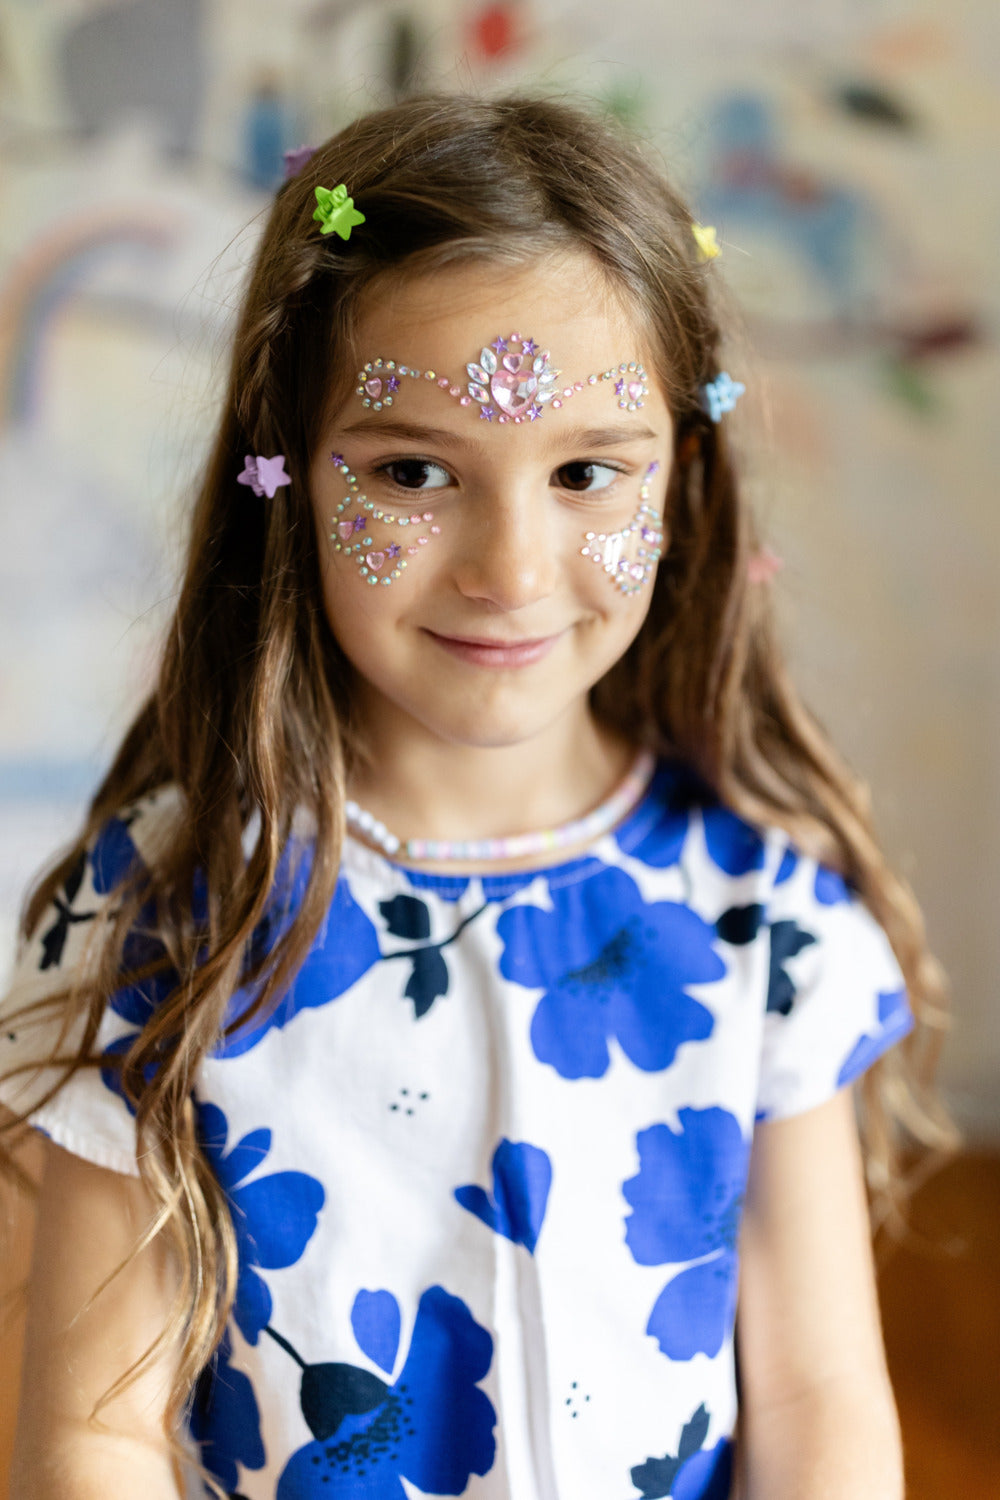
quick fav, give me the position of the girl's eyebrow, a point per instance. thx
(576, 437)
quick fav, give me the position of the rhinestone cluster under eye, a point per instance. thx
(608, 548)
(350, 535)
(513, 380)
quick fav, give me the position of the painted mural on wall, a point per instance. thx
(839, 150)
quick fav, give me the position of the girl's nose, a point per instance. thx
(507, 556)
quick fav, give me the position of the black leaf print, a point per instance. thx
(331, 1392)
(406, 917)
(655, 1478)
(787, 939)
(428, 981)
(740, 924)
(54, 941)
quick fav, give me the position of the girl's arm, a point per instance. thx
(88, 1222)
(818, 1421)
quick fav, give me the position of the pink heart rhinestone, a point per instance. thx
(375, 560)
(373, 386)
(345, 529)
(636, 390)
(513, 393)
(512, 362)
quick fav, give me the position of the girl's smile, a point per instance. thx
(469, 543)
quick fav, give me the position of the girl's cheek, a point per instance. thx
(380, 545)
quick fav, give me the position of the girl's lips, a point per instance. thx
(481, 652)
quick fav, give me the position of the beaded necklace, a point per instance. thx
(580, 831)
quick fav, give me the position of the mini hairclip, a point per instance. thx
(513, 380)
(720, 395)
(763, 565)
(296, 160)
(704, 237)
(335, 211)
(265, 476)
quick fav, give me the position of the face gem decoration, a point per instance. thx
(381, 562)
(629, 557)
(513, 380)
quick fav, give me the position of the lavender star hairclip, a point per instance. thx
(335, 211)
(296, 160)
(513, 380)
(720, 395)
(265, 476)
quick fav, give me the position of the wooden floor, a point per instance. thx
(941, 1309)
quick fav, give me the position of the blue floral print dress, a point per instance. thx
(486, 1159)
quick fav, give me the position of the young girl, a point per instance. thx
(443, 1027)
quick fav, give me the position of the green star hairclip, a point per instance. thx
(335, 211)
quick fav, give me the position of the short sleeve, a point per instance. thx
(88, 1115)
(836, 997)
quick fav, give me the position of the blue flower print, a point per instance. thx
(829, 888)
(522, 1176)
(788, 866)
(345, 949)
(673, 791)
(695, 1473)
(895, 1021)
(686, 1202)
(274, 1217)
(610, 965)
(225, 1420)
(733, 845)
(432, 1426)
(110, 858)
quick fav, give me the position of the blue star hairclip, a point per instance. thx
(720, 395)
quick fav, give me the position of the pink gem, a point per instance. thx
(568, 392)
(578, 386)
(414, 520)
(512, 362)
(421, 541)
(513, 388)
(435, 531)
(637, 571)
(375, 560)
(444, 382)
(411, 551)
(557, 403)
(345, 529)
(428, 516)
(464, 400)
(636, 390)
(373, 386)
(453, 390)
(501, 419)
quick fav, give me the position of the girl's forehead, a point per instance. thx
(442, 319)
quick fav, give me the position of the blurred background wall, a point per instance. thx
(845, 150)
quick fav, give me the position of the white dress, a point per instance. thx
(486, 1159)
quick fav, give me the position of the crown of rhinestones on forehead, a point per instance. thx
(513, 380)
(376, 562)
(629, 556)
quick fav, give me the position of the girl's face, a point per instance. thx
(487, 557)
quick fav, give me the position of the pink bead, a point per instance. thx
(578, 386)
(556, 403)
(428, 516)
(435, 531)
(568, 392)
(464, 400)
(414, 520)
(443, 382)
(453, 390)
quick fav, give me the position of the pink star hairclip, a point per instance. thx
(335, 211)
(265, 476)
(296, 160)
(513, 380)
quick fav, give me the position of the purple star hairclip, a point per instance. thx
(296, 160)
(720, 395)
(265, 476)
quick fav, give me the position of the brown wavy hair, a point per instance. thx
(251, 715)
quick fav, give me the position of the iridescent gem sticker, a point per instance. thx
(379, 558)
(629, 557)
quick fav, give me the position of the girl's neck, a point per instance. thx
(421, 787)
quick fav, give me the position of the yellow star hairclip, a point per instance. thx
(704, 235)
(335, 211)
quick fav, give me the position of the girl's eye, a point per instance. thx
(416, 474)
(583, 477)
